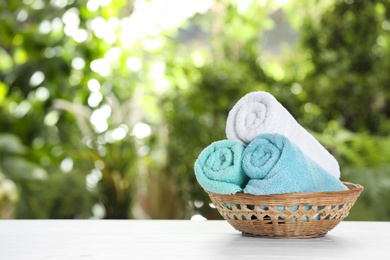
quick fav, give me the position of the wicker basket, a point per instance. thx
(293, 215)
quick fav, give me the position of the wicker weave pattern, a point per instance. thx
(294, 215)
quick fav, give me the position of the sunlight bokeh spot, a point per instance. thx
(93, 5)
(134, 64)
(99, 164)
(211, 205)
(386, 25)
(94, 99)
(22, 109)
(296, 89)
(28, 2)
(42, 94)
(113, 54)
(66, 165)
(71, 20)
(101, 66)
(113, 24)
(51, 118)
(98, 210)
(80, 35)
(56, 151)
(99, 27)
(7, 187)
(22, 15)
(49, 52)
(198, 59)
(93, 178)
(149, 18)
(45, 27)
(37, 78)
(198, 203)
(104, 2)
(93, 85)
(143, 151)
(75, 78)
(39, 174)
(59, 3)
(153, 44)
(243, 5)
(38, 143)
(109, 37)
(162, 84)
(71, 17)
(99, 118)
(78, 63)
(37, 4)
(56, 24)
(157, 70)
(142, 130)
(198, 217)
(119, 133)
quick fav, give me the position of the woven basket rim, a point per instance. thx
(286, 215)
(352, 189)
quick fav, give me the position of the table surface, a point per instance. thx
(181, 239)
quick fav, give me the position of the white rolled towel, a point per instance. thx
(259, 113)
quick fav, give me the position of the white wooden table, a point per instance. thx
(181, 239)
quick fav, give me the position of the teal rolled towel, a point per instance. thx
(275, 165)
(219, 167)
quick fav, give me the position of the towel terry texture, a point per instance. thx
(275, 165)
(219, 167)
(260, 113)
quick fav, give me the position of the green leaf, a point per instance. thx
(11, 144)
(19, 169)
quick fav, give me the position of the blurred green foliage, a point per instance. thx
(105, 105)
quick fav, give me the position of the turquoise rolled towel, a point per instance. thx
(219, 167)
(275, 165)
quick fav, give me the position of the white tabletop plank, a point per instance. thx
(172, 239)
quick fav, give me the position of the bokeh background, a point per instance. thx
(106, 104)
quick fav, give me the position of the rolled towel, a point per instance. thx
(219, 167)
(276, 166)
(259, 113)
